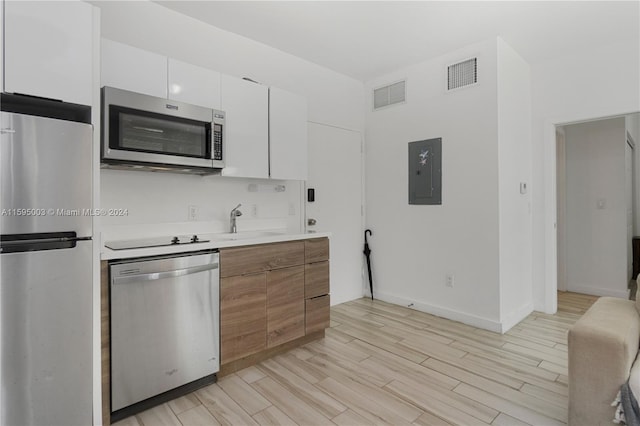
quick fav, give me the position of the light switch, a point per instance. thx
(601, 204)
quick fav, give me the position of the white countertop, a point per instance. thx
(215, 241)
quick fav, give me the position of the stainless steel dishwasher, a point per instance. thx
(164, 328)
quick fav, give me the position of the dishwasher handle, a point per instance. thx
(160, 275)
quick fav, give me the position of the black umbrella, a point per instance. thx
(367, 252)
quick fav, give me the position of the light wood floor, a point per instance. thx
(382, 363)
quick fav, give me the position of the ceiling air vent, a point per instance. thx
(462, 74)
(388, 95)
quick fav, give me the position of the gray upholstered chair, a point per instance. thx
(603, 345)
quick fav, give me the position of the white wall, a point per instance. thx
(598, 82)
(416, 246)
(633, 126)
(159, 202)
(596, 221)
(514, 161)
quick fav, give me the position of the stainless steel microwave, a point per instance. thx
(150, 133)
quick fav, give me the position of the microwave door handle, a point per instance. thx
(130, 279)
(148, 129)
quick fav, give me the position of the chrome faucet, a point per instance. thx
(234, 214)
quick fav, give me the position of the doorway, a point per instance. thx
(595, 206)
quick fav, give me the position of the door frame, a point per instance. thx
(561, 200)
(550, 211)
(632, 145)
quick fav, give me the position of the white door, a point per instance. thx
(335, 173)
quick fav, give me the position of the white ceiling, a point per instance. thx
(364, 39)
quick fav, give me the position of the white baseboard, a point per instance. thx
(597, 291)
(476, 321)
(516, 316)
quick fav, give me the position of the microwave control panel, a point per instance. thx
(217, 142)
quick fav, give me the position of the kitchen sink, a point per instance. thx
(228, 236)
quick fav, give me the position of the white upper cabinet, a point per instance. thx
(133, 69)
(193, 84)
(246, 107)
(287, 135)
(48, 49)
(265, 129)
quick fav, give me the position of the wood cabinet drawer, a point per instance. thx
(243, 316)
(259, 258)
(317, 314)
(285, 305)
(316, 250)
(316, 279)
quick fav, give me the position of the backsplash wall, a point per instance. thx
(160, 202)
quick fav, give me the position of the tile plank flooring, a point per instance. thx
(386, 364)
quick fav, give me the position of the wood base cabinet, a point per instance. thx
(316, 285)
(272, 295)
(317, 314)
(273, 298)
(316, 282)
(243, 316)
(285, 305)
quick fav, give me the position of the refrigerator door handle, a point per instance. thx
(45, 240)
(7, 131)
(37, 242)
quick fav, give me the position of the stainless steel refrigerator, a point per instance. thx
(45, 262)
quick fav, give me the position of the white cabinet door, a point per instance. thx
(287, 135)
(129, 68)
(246, 107)
(48, 49)
(193, 84)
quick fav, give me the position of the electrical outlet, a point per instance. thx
(254, 210)
(448, 281)
(193, 213)
(292, 209)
